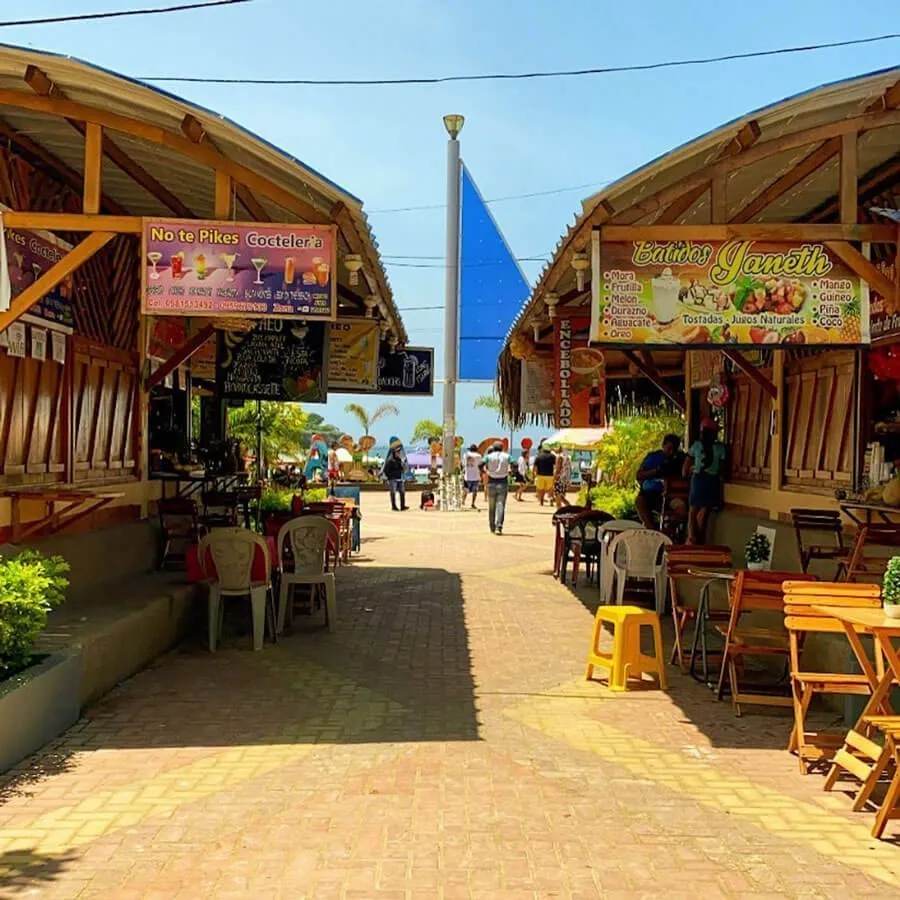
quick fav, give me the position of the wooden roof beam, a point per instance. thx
(746, 137)
(180, 356)
(873, 183)
(647, 367)
(195, 132)
(43, 86)
(678, 207)
(794, 176)
(750, 370)
(65, 173)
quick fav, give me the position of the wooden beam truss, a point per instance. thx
(647, 367)
(750, 371)
(180, 356)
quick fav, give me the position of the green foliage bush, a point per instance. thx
(278, 500)
(891, 589)
(31, 584)
(615, 500)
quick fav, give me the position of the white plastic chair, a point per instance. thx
(640, 558)
(307, 537)
(232, 551)
(607, 534)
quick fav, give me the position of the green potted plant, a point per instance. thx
(890, 590)
(757, 551)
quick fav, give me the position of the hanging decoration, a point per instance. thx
(718, 391)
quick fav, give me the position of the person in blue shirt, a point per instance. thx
(657, 466)
(705, 464)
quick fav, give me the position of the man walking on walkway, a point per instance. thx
(393, 472)
(496, 466)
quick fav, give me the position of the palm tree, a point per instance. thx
(425, 431)
(368, 419)
(487, 401)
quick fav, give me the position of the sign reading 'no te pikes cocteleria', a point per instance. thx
(197, 268)
(726, 292)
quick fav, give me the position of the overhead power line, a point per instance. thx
(122, 13)
(547, 193)
(518, 76)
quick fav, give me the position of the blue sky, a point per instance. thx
(386, 145)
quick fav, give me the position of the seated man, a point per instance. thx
(655, 469)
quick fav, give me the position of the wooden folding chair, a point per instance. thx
(819, 523)
(872, 550)
(179, 528)
(681, 562)
(754, 592)
(801, 619)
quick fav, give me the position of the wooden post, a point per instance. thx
(688, 396)
(849, 176)
(223, 195)
(142, 413)
(776, 451)
(718, 200)
(93, 159)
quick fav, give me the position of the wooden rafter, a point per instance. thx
(43, 86)
(154, 134)
(746, 137)
(73, 222)
(796, 174)
(852, 258)
(196, 133)
(775, 231)
(678, 207)
(65, 173)
(873, 183)
(180, 356)
(54, 275)
(647, 367)
(750, 371)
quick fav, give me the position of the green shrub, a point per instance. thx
(615, 500)
(278, 500)
(30, 586)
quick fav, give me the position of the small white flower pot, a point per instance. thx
(756, 566)
(892, 610)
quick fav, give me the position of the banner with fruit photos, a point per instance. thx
(737, 292)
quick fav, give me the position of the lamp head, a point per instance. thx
(454, 124)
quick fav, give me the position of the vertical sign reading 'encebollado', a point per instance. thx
(199, 268)
(564, 376)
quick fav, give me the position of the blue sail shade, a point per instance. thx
(492, 287)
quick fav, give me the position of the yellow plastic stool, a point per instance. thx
(626, 660)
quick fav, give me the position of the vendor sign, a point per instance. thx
(197, 268)
(408, 371)
(725, 292)
(885, 315)
(276, 360)
(29, 254)
(580, 378)
(353, 355)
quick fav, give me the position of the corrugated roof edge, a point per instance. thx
(590, 204)
(355, 205)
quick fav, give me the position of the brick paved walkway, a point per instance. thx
(441, 744)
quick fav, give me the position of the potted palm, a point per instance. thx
(890, 590)
(757, 551)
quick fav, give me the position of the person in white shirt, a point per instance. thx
(472, 465)
(496, 466)
(522, 467)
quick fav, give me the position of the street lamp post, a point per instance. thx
(453, 124)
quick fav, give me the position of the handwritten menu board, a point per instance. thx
(406, 371)
(278, 360)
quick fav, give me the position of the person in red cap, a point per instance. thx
(705, 465)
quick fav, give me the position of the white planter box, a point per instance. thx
(37, 705)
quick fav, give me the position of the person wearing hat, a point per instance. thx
(394, 472)
(705, 464)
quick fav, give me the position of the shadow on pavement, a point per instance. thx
(23, 871)
(396, 669)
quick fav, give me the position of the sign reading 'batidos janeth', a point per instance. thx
(725, 292)
(198, 268)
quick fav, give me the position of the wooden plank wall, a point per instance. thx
(73, 422)
(748, 431)
(819, 420)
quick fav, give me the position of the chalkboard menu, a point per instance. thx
(408, 371)
(278, 360)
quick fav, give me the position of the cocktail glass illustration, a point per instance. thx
(258, 262)
(37, 270)
(289, 270)
(154, 256)
(200, 266)
(322, 270)
(228, 259)
(177, 264)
